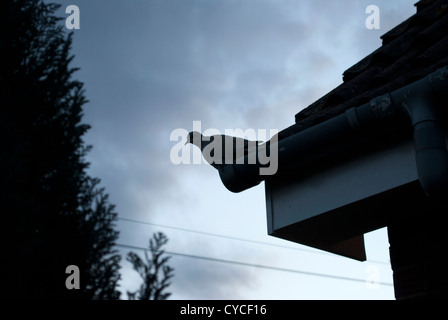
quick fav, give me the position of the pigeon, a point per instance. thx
(218, 158)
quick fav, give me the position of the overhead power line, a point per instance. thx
(308, 273)
(235, 238)
(217, 235)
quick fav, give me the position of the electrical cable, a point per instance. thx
(237, 239)
(308, 273)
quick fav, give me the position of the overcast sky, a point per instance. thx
(152, 66)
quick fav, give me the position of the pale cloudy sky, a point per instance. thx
(152, 66)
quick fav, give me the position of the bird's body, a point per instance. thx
(219, 150)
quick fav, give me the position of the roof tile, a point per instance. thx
(409, 51)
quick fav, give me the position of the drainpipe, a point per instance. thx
(353, 127)
(419, 100)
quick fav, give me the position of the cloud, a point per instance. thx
(151, 70)
(210, 280)
(150, 67)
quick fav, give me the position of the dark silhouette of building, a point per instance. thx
(372, 153)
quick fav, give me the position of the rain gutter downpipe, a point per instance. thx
(416, 102)
(419, 100)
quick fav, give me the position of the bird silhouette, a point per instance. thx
(218, 158)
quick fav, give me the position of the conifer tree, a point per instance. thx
(154, 271)
(54, 214)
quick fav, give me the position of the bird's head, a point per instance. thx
(195, 138)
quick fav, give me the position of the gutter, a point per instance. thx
(414, 104)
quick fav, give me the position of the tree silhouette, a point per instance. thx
(155, 272)
(54, 214)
